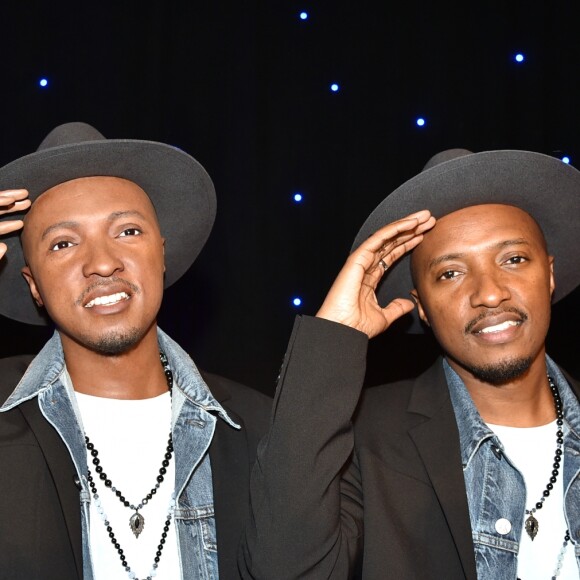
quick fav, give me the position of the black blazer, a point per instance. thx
(341, 465)
(40, 525)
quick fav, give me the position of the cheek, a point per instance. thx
(446, 318)
(437, 308)
(54, 282)
(447, 326)
(542, 308)
(149, 271)
(154, 264)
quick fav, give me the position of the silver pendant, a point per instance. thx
(532, 526)
(137, 523)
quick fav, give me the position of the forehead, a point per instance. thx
(89, 196)
(480, 223)
(478, 228)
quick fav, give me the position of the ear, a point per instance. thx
(420, 310)
(552, 279)
(27, 274)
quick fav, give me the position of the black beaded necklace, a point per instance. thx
(137, 521)
(531, 524)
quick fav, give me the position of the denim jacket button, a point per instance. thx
(77, 481)
(503, 526)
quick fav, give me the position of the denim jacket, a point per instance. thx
(194, 416)
(484, 470)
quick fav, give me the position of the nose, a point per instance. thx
(101, 259)
(489, 290)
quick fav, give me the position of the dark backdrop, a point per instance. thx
(244, 87)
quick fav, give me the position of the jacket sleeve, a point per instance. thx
(306, 497)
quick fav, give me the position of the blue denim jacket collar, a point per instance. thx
(49, 365)
(43, 371)
(473, 431)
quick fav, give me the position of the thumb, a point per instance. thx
(396, 309)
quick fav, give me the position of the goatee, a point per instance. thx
(502, 372)
(115, 343)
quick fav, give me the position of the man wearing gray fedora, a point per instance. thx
(471, 470)
(118, 457)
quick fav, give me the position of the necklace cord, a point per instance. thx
(137, 521)
(532, 526)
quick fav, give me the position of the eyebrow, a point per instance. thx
(504, 244)
(73, 225)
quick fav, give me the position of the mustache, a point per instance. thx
(487, 314)
(115, 280)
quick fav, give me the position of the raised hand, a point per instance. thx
(352, 300)
(12, 200)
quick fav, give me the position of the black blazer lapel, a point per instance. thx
(228, 454)
(437, 441)
(63, 473)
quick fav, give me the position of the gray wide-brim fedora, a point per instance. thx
(543, 186)
(179, 187)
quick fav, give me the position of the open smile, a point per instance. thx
(499, 327)
(108, 300)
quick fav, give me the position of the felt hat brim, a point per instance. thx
(179, 187)
(545, 187)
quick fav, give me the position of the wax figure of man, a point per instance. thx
(118, 458)
(472, 469)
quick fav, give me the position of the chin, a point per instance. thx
(501, 372)
(114, 343)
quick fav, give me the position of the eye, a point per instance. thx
(61, 246)
(449, 275)
(131, 232)
(516, 260)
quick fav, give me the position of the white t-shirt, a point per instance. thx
(131, 438)
(532, 451)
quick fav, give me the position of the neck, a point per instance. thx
(523, 402)
(134, 374)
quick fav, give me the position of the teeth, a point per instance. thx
(108, 300)
(499, 327)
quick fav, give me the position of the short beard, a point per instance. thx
(114, 343)
(501, 372)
